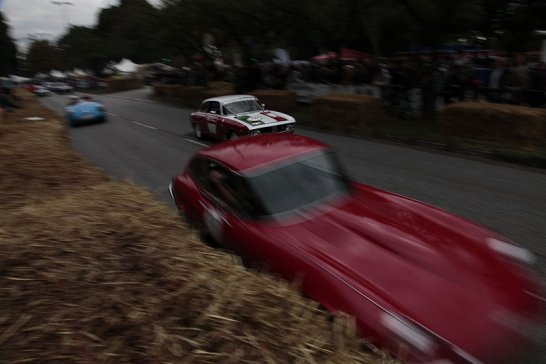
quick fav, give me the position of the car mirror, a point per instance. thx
(263, 106)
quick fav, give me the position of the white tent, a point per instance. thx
(19, 79)
(126, 66)
(57, 74)
(76, 72)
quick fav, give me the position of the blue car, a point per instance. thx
(84, 112)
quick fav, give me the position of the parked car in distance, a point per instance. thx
(84, 111)
(41, 91)
(413, 276)
(234, 116)
(58, 87)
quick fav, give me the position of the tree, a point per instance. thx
(8, 50)
(43, 56)
(128, 31)
(82, 48)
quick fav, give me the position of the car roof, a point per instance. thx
(230, 98)
(253, 152)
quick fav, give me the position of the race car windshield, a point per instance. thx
(240, 107)
(299, 185)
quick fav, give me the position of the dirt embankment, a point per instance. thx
(96, 271)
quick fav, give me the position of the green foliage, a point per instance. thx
(43, 56)
(83, 48)
(8, 50)
(251, 29)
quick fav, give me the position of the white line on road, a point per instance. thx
(111, 114)
(198, 143)
(144, 125)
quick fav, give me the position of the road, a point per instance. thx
(148, 143)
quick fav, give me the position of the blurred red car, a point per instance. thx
(413, 276)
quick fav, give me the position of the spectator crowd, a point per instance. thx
(413, 83)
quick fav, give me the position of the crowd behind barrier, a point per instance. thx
(424, 86)
(416, 84)
(413, 84)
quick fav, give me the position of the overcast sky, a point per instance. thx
(43, 19)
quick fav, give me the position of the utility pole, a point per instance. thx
(64, 14)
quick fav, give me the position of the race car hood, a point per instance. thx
(432, 266)
(260, 119)
(85, 107)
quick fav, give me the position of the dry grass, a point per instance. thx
(36, 159)
(95, 271)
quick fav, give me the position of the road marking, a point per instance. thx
(144, 125)
(111, 114)
(195, 142)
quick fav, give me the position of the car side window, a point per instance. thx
(198, 171)
(214, 106)
(226, 186)
(205, 106)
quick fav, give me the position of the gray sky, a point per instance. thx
(43, 19)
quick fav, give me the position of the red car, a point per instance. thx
(234, 116)
(413, 276)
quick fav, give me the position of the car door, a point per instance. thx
(213, 118)
(200, 117)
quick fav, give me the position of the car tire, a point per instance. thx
(197, 131)
(232, 135)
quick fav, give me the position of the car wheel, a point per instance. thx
(197, 131)
(233, 136)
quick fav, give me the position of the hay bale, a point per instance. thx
(171, 91)
(159, 90)
(279, 100)
(346, 111)
(216, 92)
(192, 96)
(124, 84)
(510, 124)
(222, 85)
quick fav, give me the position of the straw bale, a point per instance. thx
(495, 122)
(222, 85)
(95, 271)
(347, 112)
(159, 90)
(280, 100)
(124, 84)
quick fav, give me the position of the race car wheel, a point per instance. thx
(197, 131)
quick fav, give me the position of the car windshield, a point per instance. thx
(300, 184)
(242, 106)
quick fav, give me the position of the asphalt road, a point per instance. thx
(148, 142)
